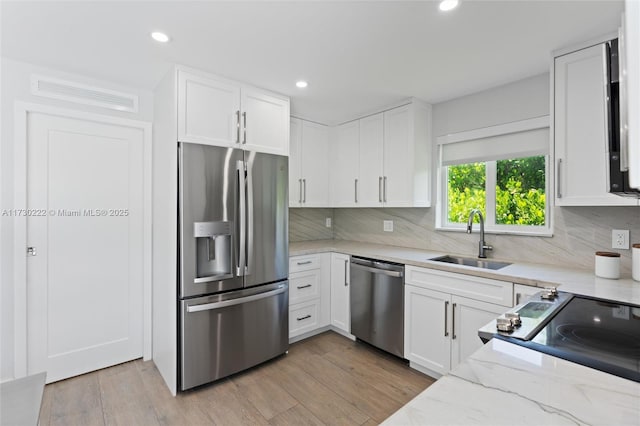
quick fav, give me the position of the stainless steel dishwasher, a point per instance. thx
(377, 303)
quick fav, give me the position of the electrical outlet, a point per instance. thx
(327, 222)
(620, 239)
(387, 225)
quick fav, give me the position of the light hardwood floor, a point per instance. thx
(326, 379)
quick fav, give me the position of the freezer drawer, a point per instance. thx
(223, 334)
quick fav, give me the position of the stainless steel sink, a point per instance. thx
(476, 263)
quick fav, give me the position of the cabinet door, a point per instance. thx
(522, 293)
(427, 328)
(343, 179)
(315, 165)
(468, 316)
(398, 158)
(370, 161)
(340, 313)
(208, 110)
(580, 139)
(295, 163)
(265, 122)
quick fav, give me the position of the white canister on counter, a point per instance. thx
(635, 262)
(608, 264)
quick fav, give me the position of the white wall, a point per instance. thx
(15, 86)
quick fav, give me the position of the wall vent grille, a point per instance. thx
(82, 94)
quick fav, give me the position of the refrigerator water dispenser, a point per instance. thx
(213, 251)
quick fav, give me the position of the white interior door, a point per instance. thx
(85, 282)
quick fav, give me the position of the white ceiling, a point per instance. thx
(356, 55)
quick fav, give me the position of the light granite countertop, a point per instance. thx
(503, 383)
(506, 384)
(577, 281)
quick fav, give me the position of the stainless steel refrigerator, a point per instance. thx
(233, 261)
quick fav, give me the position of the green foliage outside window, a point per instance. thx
(466, 189)
(520, 191)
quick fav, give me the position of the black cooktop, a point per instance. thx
(600, 334)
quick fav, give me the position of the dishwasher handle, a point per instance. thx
(397, 274)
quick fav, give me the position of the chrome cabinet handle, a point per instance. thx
(304, 192)
(300, 287)
(384, 189)
(356, 191)
(31, 251)
(379, 189)
(304, 317)
(238, 126)
(446, 306)
(300, 194)
(518, 297)
(453, 321)
(346, 272)
(244, 137)
(306, 262)
(558, 185)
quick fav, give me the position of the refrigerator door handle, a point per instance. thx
(249, 220)
(238, 301)
(242, 199)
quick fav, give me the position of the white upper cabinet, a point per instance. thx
(220, 112)
(371, 160)
(343, 178)
(295, 163)
(580, 131)
(265, 122)
(383, 160)
(308, 164)
(407, 156)
(208, 110)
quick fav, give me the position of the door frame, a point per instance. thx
(21, 111)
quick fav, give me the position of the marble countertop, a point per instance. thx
(506, 384)
(577, 281)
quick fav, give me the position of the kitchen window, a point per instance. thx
(503, 171)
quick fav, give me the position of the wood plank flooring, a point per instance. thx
(324, 380)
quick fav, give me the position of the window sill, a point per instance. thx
(529, 233)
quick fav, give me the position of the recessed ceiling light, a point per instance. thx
(301, 84)
(161, 37)
(446, 5)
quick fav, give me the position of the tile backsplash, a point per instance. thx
(579, 232)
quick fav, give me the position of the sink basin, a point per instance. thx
(476, 263)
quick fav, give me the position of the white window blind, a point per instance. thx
(489, 144)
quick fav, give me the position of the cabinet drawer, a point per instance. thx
(304, 317)
(304, 263)
(304, 286)
(477, 288)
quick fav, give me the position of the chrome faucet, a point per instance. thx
(482, 246)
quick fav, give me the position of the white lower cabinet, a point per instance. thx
(426, 332)
(340, 312)
(522, 293)
(304, 317)
(467, 317)
(309, 293)
(441, 327)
